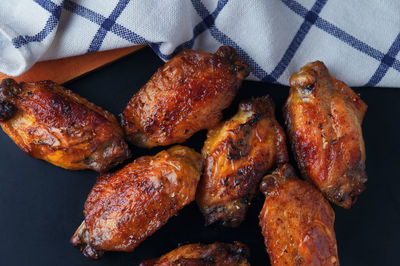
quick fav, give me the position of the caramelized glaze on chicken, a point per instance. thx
(296, 221)
(52, 123)
(184, 96)
(237, 154)
(127, 206)
(221, 254)
(323, 118)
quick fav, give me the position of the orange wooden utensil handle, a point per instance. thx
(65, 69)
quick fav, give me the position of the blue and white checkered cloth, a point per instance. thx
(358, 40)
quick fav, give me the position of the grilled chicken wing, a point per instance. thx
(127, 206)
(237, 154)
(184, 96)
(323, 118)
(296, 221)
(221, 254)
(52, 123)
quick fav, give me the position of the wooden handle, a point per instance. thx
(65, 69)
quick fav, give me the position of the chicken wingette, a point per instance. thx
(184, 96)
(127, 206)
(222, 254)
(323, 118)
(297, 221)
(237, 154)
(52, 123)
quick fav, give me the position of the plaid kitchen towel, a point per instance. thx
(358, 40)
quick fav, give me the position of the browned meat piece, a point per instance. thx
(323, 118)
(127, 206)
(221, 254)
(237, 154)
(296, 221)
(52, 123)
(184, 96)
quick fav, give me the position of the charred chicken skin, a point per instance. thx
(184, 96)
(237, 154)
(323, 117)
(52, 123)
(297, 221)
(127, 206)
(221, 254)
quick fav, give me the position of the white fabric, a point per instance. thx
(358, 40)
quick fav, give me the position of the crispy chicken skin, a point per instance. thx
(323, 117)
(184, 96)
(222, 254)
(52, 123)
(296, 221)
(127, 206)
(237, 154)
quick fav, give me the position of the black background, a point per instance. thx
(41, 205)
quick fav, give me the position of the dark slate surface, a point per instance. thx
(41, 205)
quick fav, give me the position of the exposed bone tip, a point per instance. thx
(80, 239)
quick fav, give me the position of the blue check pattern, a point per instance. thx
(310, 18)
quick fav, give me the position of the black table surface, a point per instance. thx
(41, 205)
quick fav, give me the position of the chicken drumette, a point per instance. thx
(237, 154)
(184, 96)
(221, 254)
(127, 206)
(52, 123)
(296, 221)
(323, 118)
